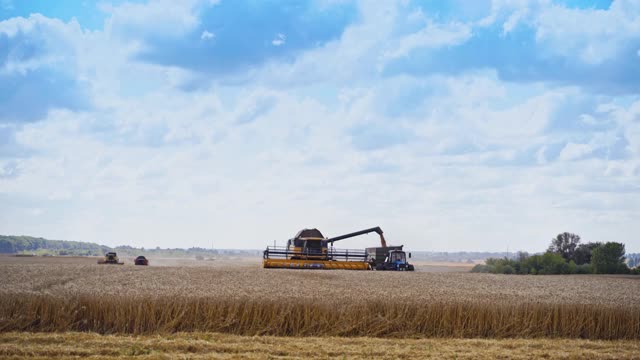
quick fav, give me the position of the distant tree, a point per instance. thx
(18, 244)
(7, 246)
(565, 245)
(552, 263)
(584, 269)
(609, 259)
(582, 255)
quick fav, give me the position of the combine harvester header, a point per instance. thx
(309, 249)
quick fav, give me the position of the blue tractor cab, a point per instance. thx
(396, 260)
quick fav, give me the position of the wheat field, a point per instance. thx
(74, 308)
(247, 280)
(20, 345)
(239, 297)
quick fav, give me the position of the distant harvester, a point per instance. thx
(110, 258)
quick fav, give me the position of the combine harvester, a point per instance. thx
(110, 258)
(309, 249)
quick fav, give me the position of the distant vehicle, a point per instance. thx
(110, 258)
(141, 260)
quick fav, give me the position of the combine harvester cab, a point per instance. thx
(309, 249)
(110, 258)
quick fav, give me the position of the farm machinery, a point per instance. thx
(141, 260)
(309, 249)
(391, 258)
(110, 258)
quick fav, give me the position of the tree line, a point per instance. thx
(566, 255)
(10, 244)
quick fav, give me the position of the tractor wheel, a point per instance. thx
(410, 268)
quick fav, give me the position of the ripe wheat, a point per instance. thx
(355, 318)
(248, 300)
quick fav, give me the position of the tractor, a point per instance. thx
(396, 260)
(141, 260)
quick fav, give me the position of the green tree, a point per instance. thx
(582, 255)
(609, 259)
(565, 245)
(553, 263)
(584, 269)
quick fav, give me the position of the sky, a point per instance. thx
(453, 125)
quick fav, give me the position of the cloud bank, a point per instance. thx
(481, 127)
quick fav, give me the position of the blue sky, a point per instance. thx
(453, 125)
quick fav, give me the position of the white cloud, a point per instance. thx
(160, 17)
(573, 151)
(359, 48)
(209, 175)
(152, 163)
(513, 20)
(592, 35)
(207, 35)
(38, 42)
(279, 40)
(627, 120)
(588, 119)
(429, 37)
(565, 32)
